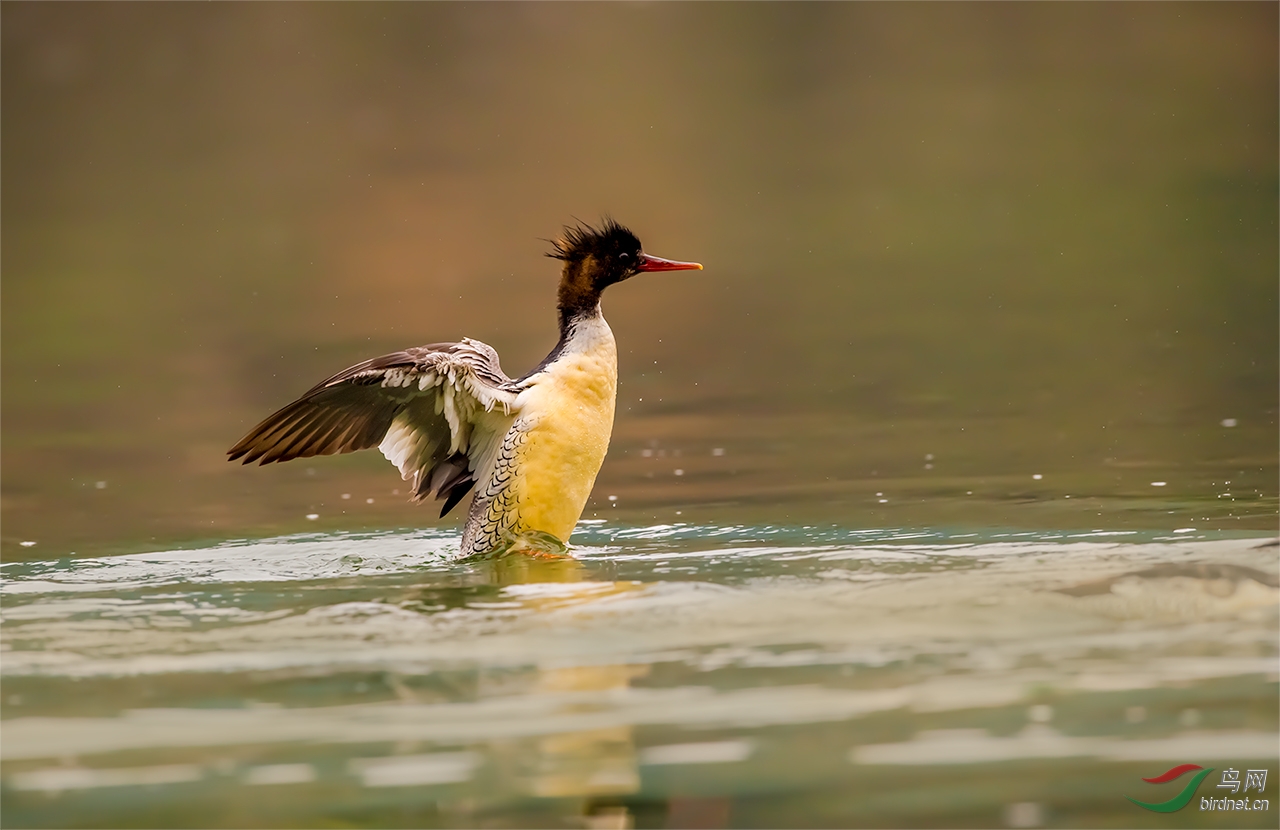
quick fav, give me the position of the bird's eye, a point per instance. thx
(624, 255)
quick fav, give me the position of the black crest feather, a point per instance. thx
(576, 241)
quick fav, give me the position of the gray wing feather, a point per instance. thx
(432, 410)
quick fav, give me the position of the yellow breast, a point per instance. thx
(571, 408)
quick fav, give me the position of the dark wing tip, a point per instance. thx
(318, 424)
(456, 494)
(243, 450)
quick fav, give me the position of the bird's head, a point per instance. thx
(595, 259)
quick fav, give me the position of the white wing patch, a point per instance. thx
(409, 447)
(458, 411)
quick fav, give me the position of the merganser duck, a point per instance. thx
(449, 418)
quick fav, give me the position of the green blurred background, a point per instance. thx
(948, 247)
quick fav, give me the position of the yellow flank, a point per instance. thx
(558, 463)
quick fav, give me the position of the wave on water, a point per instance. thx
(709, 595)
(321, 556)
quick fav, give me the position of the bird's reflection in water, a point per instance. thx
(588, 772)
(530, 560)
(583, 765)
(532, 557)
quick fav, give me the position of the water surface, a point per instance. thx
(672, 675)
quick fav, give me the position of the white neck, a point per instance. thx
(588, 334)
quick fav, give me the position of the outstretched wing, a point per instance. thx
(437, 412)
